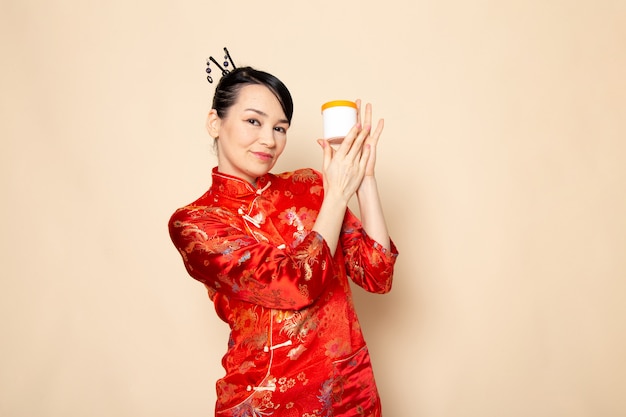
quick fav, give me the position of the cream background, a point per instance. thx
(501, 167)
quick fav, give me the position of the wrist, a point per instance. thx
(335, 200)
(368, 183)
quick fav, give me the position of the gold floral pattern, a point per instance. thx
(295, 347)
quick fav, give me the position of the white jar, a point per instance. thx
(339, 117)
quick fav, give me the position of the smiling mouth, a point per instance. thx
(263, 155)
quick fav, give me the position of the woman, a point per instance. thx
(275, 251)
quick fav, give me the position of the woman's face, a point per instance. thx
(252, 135)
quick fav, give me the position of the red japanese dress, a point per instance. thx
(295, 346)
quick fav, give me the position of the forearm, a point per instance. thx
(329, 220)
(370, 207)
(230, 261)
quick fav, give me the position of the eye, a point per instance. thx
(254, 122)
(280, 129)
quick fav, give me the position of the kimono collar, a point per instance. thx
(231, 186)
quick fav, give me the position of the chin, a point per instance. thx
(266, 169)
(258, 172)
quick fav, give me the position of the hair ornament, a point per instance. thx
(228, 62)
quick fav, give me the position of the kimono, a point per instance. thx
(295, 346)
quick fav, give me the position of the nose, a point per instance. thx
(267, 137)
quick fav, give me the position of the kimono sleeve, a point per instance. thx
(231, 262)
(368, 263)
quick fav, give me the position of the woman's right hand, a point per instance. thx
(343, 170)
(344, 167)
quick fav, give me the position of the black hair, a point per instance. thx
(228, 88)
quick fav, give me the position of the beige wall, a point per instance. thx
(502, 169)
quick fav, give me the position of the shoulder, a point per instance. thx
(199, 210)
(301, 182)
(306, 175)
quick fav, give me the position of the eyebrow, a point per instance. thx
(261, 113)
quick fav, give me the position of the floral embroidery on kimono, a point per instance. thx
(295, 346)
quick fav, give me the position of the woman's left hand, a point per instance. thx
(373, 137)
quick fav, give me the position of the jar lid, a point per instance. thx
(338, 103)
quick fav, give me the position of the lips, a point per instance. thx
(263, 156)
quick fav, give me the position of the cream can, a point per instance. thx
(339, 116)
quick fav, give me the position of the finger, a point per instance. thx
(357, 145)
(365, 156)
(358, 110)
(368, 114)
(347, 142)
(326, 154)
(377, 132)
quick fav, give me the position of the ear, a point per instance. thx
(213, 122)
